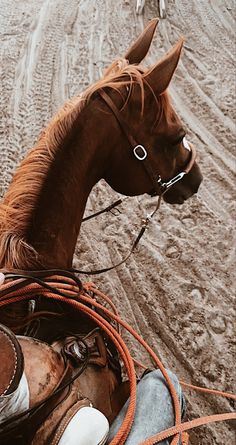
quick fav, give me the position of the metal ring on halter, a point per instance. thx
(137, 149)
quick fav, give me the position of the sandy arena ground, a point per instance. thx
(178, 288)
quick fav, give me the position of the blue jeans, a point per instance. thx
(154, 409)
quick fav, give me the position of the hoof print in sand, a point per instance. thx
(173, 252)
(209, 369)
(217, 323)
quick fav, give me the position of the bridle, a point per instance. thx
(160, 187)
(141, 154)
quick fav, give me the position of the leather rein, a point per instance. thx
(160, 187)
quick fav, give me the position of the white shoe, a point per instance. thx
(87, 427)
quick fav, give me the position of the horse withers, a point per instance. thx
(125, 130)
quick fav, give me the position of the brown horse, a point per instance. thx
(123, 129)
(41, 213)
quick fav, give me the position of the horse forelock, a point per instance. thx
(20, 200)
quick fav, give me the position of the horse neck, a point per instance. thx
(56, 220)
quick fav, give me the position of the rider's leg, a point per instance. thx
(154, 410)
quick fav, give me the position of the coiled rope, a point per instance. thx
(65, 287)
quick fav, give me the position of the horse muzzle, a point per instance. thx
(185, 188)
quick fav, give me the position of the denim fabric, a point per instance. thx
(154, 409)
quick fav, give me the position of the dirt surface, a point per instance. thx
(178, 289)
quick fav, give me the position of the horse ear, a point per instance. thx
(160, 75)
(139, 49)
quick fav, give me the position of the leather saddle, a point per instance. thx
(64, 393)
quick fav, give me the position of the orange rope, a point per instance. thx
(122, 434)
(188, 425)
(121, 347)
(216, 392)
(67, 286)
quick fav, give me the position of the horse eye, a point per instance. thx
(179, 140)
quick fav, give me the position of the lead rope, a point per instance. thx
(65, 288)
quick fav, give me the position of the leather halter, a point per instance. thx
(141, 153)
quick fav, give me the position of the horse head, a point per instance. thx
(122, 128)
(146, 118)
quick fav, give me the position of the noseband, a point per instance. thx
(140, 153)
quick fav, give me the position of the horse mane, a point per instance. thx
(19, 201)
